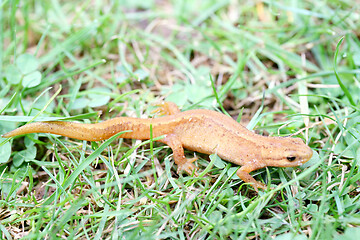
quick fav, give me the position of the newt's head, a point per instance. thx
(286, 152)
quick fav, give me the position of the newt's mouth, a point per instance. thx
(308, 155)
(304, 157)
(299, 159)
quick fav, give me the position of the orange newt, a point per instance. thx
(200, 130)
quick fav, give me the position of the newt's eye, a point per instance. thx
(291, 158)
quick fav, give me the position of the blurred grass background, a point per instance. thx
(281, 67)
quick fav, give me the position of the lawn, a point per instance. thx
(279, 67)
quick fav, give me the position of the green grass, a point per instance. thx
(281, 67)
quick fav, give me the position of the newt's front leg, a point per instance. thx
(243, 174)
(184, 164)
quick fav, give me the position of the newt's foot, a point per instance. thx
(245, 176)
(166, 109)
(188, 166)
(257, 185)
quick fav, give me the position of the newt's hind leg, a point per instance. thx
(184, 164)
(167, 108)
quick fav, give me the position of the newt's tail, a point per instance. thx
(88, 132)
(68, 129)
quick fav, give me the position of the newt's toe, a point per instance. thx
(188, 167)
(166, 108)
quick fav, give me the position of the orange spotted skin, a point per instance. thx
(200, 130)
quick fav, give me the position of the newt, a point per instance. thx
(199, 130)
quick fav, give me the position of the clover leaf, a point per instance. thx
(25, 71)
